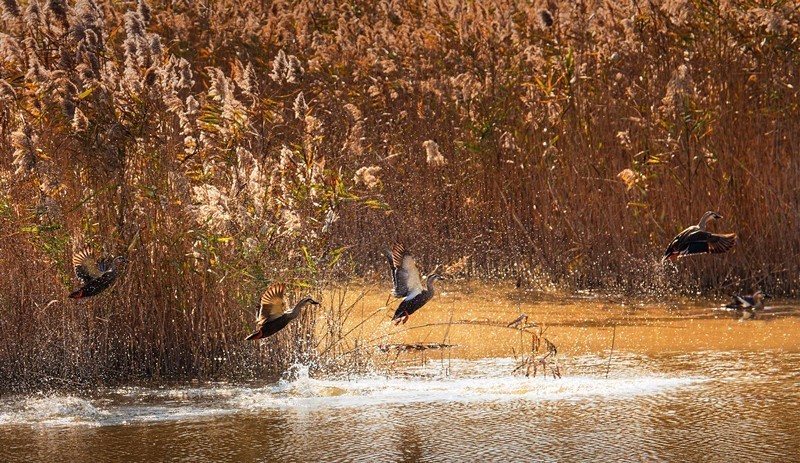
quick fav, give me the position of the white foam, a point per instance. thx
(486, 380)
(54, 410)
(305, 392)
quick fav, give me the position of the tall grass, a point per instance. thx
(226, 145)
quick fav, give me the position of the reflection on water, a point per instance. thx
(687, 384)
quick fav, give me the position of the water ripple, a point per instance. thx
(703, 406)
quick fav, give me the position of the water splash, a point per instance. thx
(53, 410)
(470, 381)
(466, 381)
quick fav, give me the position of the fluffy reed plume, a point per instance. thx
(58, 8)
(290, 222)
(630, 178)
(679, 88)
(368, 176)
(300, 107)
(211, 208)
(355, 139)
(294, 71)
(314, 130)
(286, 68)
(143, 9)
(279, 65)
(11, 50)
(79, 121)
(33, 14)
(222, 93)
(7, 93)
(10, 10)
(245, 78)
(432, 154)
(24, 152)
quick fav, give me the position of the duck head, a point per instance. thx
(710, 215)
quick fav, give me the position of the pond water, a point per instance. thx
(686, 382)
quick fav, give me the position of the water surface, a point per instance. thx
(686, 383)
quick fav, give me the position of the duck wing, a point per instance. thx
(407, 281)
(392, 266)
(693, 240)
(272, 303)
(737, 303)
(86, 266)
(720, 243)
(745, 302)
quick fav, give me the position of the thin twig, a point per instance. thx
(613, 337)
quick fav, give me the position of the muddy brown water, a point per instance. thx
(686, 382)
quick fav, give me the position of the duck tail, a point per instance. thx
(255, 335)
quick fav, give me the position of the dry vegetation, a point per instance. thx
(225, 145)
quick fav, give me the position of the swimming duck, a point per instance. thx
(748, 304)
(696, 240)
(95, 276)
(270, 317)
(407, 283)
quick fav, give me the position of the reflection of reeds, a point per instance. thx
(415, 346)
(530, 362)
(235, 172)
(611, 352)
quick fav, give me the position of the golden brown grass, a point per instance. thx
(226, 145)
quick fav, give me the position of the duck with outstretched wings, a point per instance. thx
(407, 283)
(95, 276)
(270, 317)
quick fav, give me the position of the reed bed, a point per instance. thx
(222, 146)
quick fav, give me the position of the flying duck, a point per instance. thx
(270, 317)
(696, 240)
(95, 276)
(407, 283)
